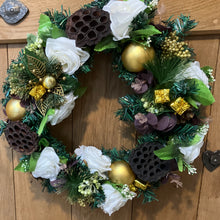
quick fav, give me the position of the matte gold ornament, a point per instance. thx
(162, 95)
(49, 82)
(135, 56)
(121, 173)
(180, 106)
(14, 110)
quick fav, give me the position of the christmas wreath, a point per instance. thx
(153, 59)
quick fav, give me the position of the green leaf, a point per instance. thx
(167, 153)
(106, 43)
(45, 26)
(44, 121)
(47, 29)
(80, 91)
(192, 102)
(33, 161)
(147, 32)
(195, 140)
(56, 32)
(23, 166)
(63, 160)
(43, 142)
(70, 84)
(204, 95)
(180, 163)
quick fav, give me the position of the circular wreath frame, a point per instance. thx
(169, 88)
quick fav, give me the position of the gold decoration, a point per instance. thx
(162, 95)
(140, 185)
(37, 92)
(172, 47)
(49, 82)
(121, 173)
(180, 106)
(14, 110)
(132, 188)
(36, 66)
(58, 90)
(135, 56)
(42, 106)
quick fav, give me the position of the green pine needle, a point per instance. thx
(181, 25)
(164, 70)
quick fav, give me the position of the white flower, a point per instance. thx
(64, 111)
(192, 152)
(94, 159)
(192, 71)
(47, 165)
(121, 16)
(66, 52)
(113, 199)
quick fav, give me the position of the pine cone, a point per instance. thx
(21, 138)
(146, 165)
(88, 26)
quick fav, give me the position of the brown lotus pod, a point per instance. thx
(146, 165)
(21, 138)
(88, 26)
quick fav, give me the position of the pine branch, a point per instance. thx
(165, 70)
(131, 105)
(181, 25)
(59, 18)
(98, 3)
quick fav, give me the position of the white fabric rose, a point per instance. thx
(113, 199)
(94, 159)
(64, 111)
(192, 152)
(121, 16)
(47, 165)
(193, 71)
(66, 52)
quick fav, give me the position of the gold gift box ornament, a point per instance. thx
(180, 105)
(162, 95)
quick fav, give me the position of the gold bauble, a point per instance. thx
(121, 173)
(135, 56)
(14, 110)
(49, 82)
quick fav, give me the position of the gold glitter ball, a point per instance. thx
(180, 106)
(162, 95)
(49, 82)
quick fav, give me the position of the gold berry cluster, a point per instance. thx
(173, 47)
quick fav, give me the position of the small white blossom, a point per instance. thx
(153, 4)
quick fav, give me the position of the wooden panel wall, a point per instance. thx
(93, 123)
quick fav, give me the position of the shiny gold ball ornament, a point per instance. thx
(135, 56)
(49, 82)
(14, 110)
(121, 173)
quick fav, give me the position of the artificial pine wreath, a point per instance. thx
(169, 89)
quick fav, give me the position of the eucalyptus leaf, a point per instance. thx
(80, 91)
(192, 102)
(180, 163)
